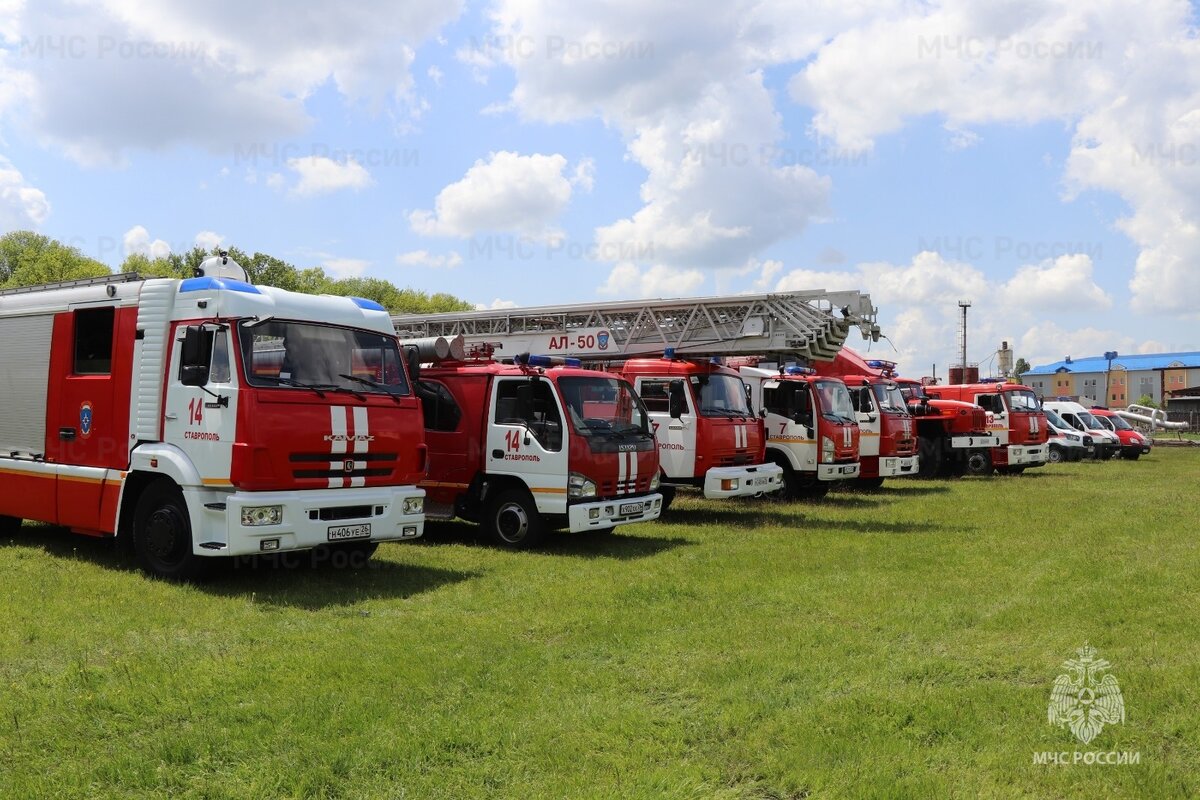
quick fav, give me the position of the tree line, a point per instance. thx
(28, 259)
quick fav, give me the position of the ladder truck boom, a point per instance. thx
(811, 325)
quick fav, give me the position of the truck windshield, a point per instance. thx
(603, 405)
(310, 355)
(835, 400)
(722, 396)
(912, 391)
(1022, 400)
(1089, 421)
(889, 397)
(1105, 422)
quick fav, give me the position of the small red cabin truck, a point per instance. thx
(535, 445)
(811, 430)
(207, 417)
(709, 438)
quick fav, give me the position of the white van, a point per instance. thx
(1067, 443)
(1078, 417)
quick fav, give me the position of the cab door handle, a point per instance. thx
(66, 433)
(170, 416)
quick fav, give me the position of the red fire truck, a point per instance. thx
(1014, 414)
(812, 434)
(537, 444)
(708, 435)
(207, 417)
(952, 436)
(709, 438)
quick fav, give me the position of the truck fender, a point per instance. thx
(166, 460)
(783, 456)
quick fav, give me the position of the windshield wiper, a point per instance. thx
(369, 382)
(333, 387)
(289, 382)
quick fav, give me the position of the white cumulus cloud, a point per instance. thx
(424, 258)
(21, 205)
(209, 239)
(321, 175)
(629, 280)
(137, 241)
(508, 192)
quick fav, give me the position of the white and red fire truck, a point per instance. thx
(812, 433)
(207, 417)
(709, 438)
(708, 435)
(1014, 415)
(534, 445)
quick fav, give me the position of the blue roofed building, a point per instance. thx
(1132, 377)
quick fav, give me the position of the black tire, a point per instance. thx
(512, 520)
(978, 462)
(162, 535)
(9, 525)
(668, 494)
(868, 484)
(930, 455)
(1056, 455)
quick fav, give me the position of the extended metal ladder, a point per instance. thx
(811, 325)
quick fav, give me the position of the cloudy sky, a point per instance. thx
(1040, 159)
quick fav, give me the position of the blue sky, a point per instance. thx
(1039, 159)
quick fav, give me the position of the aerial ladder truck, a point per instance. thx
(708, 435)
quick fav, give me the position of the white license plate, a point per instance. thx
(339, 533)
(847, 470)
(630, 508)
(763, 481)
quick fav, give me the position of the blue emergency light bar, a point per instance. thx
(876, 363)
(548, 361)
(669, 353)
(797, 370)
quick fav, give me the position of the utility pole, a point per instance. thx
(1109, 356)
(962, 335)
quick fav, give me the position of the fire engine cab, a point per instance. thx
(535, 444)
(207, 417)
(1014, 416)
(709, 438)
(812, 435)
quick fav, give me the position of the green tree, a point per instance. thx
(28, 258)
(1148, 401)
(1020, 368)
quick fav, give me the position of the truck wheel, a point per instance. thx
(9, 525)
(979, 463)
(1056, 455)
(162, 535)
(668, 494)
(513, 521)
(930, 454)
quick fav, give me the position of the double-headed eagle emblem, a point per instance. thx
(1085, 698)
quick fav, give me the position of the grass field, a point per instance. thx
(897, 644)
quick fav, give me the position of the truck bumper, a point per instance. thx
(722, 482)
(1023, 455)
(893, 466)
(838, 472)
(974, 441)
(611, 513)
(308, 519)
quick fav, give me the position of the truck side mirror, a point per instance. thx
(678, 403)
(194, 357)
(413, 360)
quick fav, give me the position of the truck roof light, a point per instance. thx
(547, 361)
(669, 353)
(796, 370)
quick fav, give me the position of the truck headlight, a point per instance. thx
(413, 505)
(580, 486)
(826, 449)
(254, 516)
(654, 482)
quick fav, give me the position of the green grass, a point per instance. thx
(897, 644)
